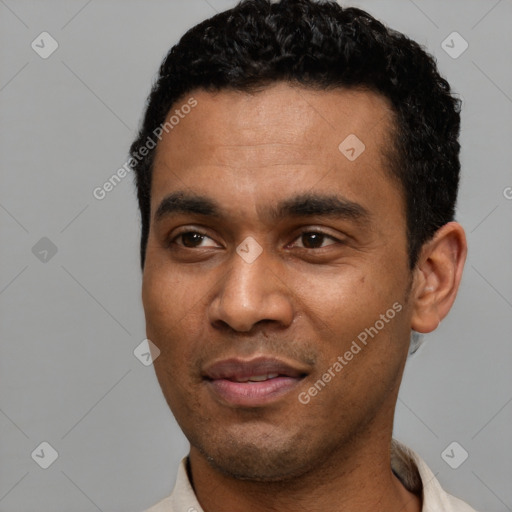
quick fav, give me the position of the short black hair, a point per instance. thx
(322, 45)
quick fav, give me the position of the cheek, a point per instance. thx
(166, 295)
(348, 299)
(174, 311)
(346, 309)
(168, 325)
(163, 302)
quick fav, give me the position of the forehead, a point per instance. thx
(288, 116)
(280, 138)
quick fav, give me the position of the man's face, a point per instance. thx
(247, 326)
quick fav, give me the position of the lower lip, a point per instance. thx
(252, 394)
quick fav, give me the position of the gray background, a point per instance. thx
(69, 325)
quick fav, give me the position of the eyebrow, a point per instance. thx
(320, 205)
(303, 205)
(183, 202)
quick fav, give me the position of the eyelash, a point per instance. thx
(302, 233)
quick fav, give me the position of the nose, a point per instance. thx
(250, 294)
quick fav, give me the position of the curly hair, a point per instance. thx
(321, 45)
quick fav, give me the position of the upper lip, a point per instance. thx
(236, 368)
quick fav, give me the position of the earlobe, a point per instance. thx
(437, 277)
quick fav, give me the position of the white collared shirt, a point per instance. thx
(407, 465)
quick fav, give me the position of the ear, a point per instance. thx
(437, 277)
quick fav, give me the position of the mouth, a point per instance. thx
(252, 383)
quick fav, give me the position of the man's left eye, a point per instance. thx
(315, 240)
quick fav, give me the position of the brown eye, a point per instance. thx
(191, 239)
(312, 240)
(315, 240)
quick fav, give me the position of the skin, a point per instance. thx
(304, 298)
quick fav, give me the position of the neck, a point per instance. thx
(356, 477)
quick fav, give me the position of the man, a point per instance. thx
(297, 171)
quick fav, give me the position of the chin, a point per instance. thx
(250, 463)
(264, 459)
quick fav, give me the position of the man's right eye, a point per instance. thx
(192, 239)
